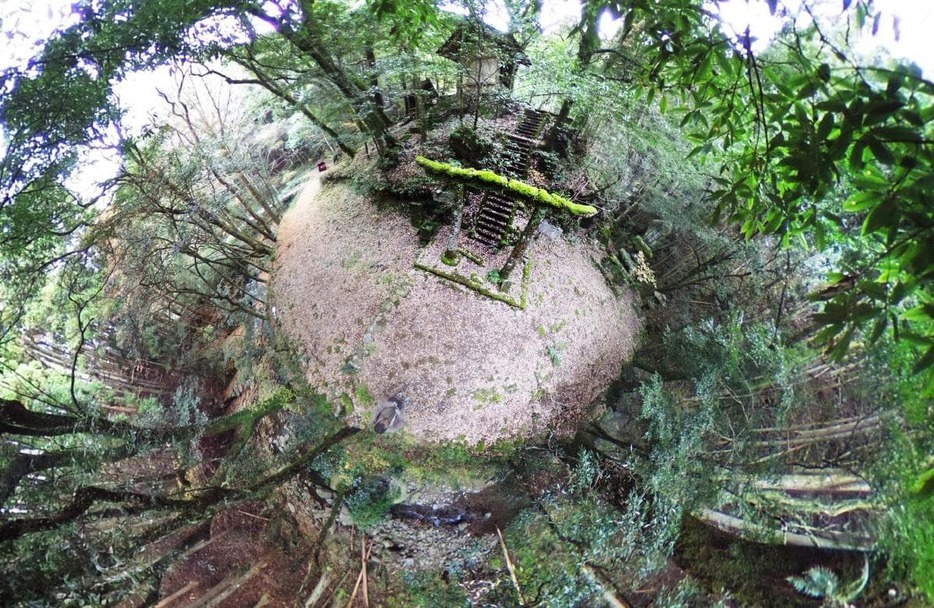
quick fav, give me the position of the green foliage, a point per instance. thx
(60, 102)
(554, 353)
(817, 146)
(364, 396)
(428, 590)
(686, 594)
(817, 582)
(909, 541)
(557, 580)
(822, 583)
(732, 378)
(471, 146)
(369, 499)
(907, 529)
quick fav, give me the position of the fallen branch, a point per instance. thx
(319, 589)
(171, 598)
(510, 567)
(361, 578)
(758, 533)
(608, 593)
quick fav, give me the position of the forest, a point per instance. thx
(328, 303)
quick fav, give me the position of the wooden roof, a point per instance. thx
(476, 39)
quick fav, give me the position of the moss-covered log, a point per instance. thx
(482, 178)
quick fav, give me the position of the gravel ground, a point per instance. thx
(372, 325)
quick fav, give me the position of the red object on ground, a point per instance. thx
(322, 166)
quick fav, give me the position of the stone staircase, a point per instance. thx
(494, 218)
(521, 143)
(530, 127)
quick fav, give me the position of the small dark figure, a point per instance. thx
(388, 418)
(322, 167)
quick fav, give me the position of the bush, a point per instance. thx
(370, 499)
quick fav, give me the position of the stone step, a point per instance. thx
(521, 140)
(492, 233)
(493, 220)
(492, 226)
(502, 215)
(491, 240)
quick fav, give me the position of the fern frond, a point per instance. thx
(817, 582)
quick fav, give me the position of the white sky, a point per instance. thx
(25, 23)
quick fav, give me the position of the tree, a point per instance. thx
(62, 102)
(817, 145)
(197, 210)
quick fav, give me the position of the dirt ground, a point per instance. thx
(372, 325)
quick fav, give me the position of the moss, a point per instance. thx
(526, 273)
(470, 255)
(484, 396)
(369, 500)
(364, 396)
(428, 590)
(474, 283)
(485, 178)
(346, 405)
(450, 258)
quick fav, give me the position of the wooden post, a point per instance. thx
(518, 252)
(451, 253)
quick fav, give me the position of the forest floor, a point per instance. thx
(371, 325)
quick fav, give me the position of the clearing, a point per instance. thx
(371, 325)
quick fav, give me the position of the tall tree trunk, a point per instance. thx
(267, 82)
(372, 116)
(375, 94)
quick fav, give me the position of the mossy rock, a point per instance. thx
(469, 146)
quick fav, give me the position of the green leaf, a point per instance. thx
(871, 178)
(838, 147)
(828, 333)
(924, 362)
(862, 200)
(899, 292)
(897, 133)
(894, 84)
(915, 338)
(916, 314)
(825, 126)
(807, 90)
(880, 151)
(819, 236)
(886, 214)
(878, 329)
(924, 485)
(856, 155)
(877, 111)
(843, 345)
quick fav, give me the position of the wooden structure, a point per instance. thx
(488, 181)
(489, 57)
(494, 220)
